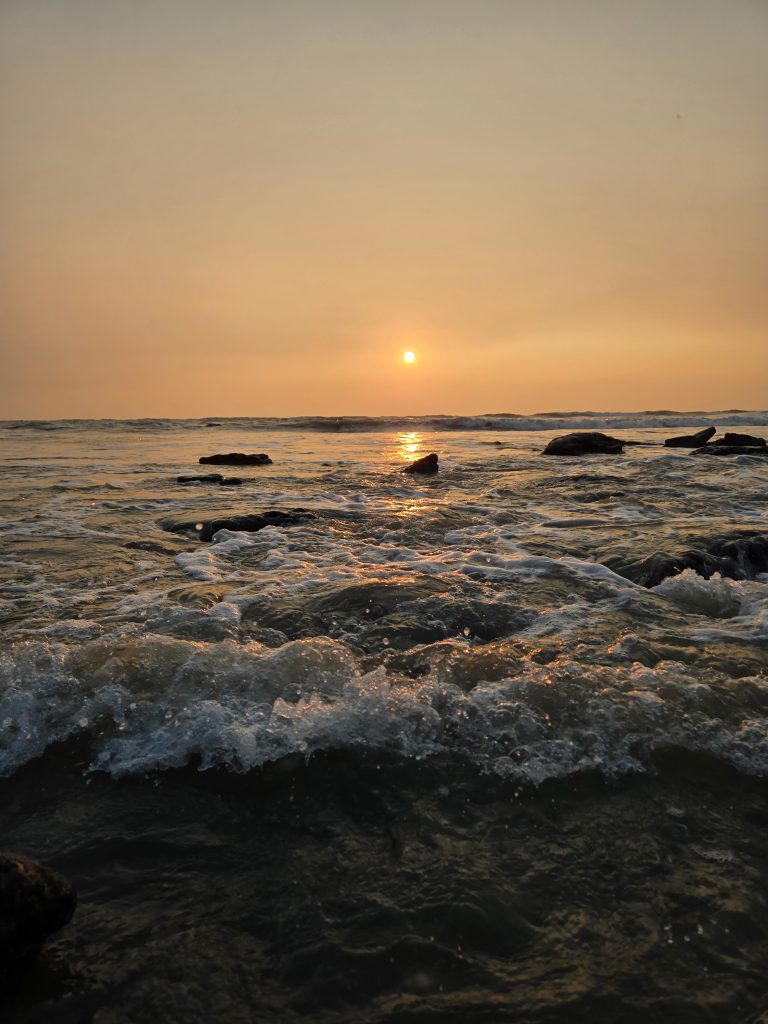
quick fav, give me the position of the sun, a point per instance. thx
(409, 357)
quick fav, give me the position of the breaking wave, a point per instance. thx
(562, 421)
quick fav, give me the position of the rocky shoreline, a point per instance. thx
(594, 442)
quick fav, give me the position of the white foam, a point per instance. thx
(717, 597)
(149, 702)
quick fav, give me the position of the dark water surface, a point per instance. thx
(431, 754)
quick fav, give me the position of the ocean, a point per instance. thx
(482, 746)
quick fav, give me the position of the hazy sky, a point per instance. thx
(252, 207)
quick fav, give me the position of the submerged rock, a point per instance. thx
(691, 440)
(210, 478)
(723, 449)
(590, 442)
(740, 440)
(34, 902)
(386, 616)
(150, 545)
(237, 459)
(739, 556)
(427, 464)
(246, 523)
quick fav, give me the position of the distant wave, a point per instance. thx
(499, 421)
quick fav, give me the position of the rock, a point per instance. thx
(691, 440)
(740, 440)
(34, 902)
(587, 443)
(714, 449)
(246, 523)
(738, 556)
(237, 459)
(427, 464)
(231, 481)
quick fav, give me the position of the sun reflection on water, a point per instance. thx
(408, 444)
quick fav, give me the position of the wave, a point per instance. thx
(501, 421)
(150, 702)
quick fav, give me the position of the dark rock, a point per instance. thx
(740, 440)
(714, 449)
(738, 556)
(208, 478)
(691, 440)
(427, 464)
(34, 902)
(231, 481)
(237, 459)
(206, 528)
(587, 443)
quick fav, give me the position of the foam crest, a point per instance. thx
(716, 597)
(571, 420)
(149, 702)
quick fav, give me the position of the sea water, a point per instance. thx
(430, 753)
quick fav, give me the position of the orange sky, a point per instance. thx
(253, 208)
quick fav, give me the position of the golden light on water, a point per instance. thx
(408, 444)
(409, 357)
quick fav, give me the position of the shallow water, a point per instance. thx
(430, 754)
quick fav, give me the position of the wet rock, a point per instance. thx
(590, 442)
(237, 459)
(736, 440)
(246, 523)
(691, 440)
(34, 902)
(231, 481)
(739, 556)
(427, 464)
(723, 449)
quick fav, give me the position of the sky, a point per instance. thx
(254, 207)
